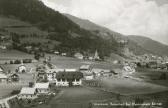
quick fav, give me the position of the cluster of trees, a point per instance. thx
(19, 61)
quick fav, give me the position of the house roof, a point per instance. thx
(3, 76)
(42, 85)
(85, 67)
(69, 75)
(22, 65)
(27, 90)
(97, 70)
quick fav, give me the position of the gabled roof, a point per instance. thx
(42, 85)
(85, 67)
(27, 90)
(69, 75)
(1, 69)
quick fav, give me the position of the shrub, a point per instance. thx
(14, 92)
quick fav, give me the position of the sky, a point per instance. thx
(130, 17)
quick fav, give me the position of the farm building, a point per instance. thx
(101, 72)
(56, 52)
(51, 74)
(42, 88)
(41, 75)
(85, 69)
(28, 93)
(22, 68)
(64, 54)
(14, 77)
(78, 56)
(89, 77)
(3, 78)
(69, 78)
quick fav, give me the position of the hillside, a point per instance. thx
(88, 25)
(20, 27)
(57, 26)
(151, 45)
(107, 33)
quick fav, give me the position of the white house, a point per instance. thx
(98, 72)
(28, 93)
(85, 69)
(89, 77)
(56, 52)
(42, 88)
(69, 79)
(3, 78)
(78, 56)
(22, 68)
(63, 54)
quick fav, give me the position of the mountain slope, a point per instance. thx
(105, 32)
(69, 34)
(88, 25)
(151, 45)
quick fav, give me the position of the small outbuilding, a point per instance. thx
(28, 93)
(22, 68)
(42, 88)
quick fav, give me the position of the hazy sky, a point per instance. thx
(130, 17)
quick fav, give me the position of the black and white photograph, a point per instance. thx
(83, 53)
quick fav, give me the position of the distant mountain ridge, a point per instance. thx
(151, 45)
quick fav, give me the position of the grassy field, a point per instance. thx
(13, 54)
(128, 86)
(152, 76)
(69, 62)
(77, 98)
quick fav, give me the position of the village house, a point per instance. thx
(56, 52)
(78, 56)
(101, 72)
(51, 74)
(41, 75)
(64, 54)
(28, 93)
(22, 68)
(88, 76)
(85, 69)
(69, 79)
(13, 77)
(42, 88)
(3, 78)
